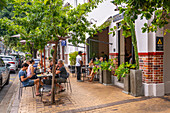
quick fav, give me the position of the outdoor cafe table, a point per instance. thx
(40, 76)
(38, 71)
(86, 69)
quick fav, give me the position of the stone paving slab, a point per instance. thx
(93, 98)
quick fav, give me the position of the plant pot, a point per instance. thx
(100, 76)
(136, 82)
(106, 77)
(127, 84)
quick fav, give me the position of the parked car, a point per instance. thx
(18, 58)
(13, 62)
(4, 73)
(36, 62)
(13, 66)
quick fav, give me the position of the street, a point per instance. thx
(7, 92)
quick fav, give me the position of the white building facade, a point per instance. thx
(152, 47)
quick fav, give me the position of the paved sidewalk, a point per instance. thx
(93, 98)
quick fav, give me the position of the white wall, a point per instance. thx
(142, 38)
(113, 40)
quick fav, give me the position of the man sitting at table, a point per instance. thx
(26, 79)
(62, 75)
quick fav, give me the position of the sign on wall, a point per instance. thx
(63, 43)
(159, 44)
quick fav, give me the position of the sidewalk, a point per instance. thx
(93, 98)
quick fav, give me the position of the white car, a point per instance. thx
(11, 60)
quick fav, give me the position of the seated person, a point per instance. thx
(40, 64)
(61, 76)
(31, 70)
(26, 79)
(61, 71)
(50, 66)
(91, 64)
(92, 72)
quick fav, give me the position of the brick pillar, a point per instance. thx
(151, 64)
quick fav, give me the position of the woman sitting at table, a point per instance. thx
(30, 70)
(91, 64)
(92, 72)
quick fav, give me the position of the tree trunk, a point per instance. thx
(31, 51)
(54, 73)
(134, 42)
(35, 53)
(41, 59)
(44, 61)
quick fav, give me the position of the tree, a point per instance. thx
(158, 9)
(2, 4)
(49, 21)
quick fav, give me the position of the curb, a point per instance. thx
(14, 103)
(14, 85)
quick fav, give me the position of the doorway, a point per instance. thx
(124, 50)
(97, 44)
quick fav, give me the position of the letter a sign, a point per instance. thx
(159, 43)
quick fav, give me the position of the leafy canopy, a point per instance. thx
(145, 8)
(49, 20)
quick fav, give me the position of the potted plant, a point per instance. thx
(124, 71)
(107, 68)
(72, 59)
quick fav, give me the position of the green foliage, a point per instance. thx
(50, 58)
(28, 56)
(2, 4)
(48, 20)
(144, 8)
(104, 65)
(124, 69)
(51, 52)
(72, 58)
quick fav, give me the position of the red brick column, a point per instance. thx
(112, 56)
(152, 65)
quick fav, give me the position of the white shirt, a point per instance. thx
(29, 70)
(78, 59)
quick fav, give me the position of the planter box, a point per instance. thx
(136, 82)
(100, 76)
(106, 77)
(127, 84)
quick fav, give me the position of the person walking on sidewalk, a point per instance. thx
(79, 63)
(26, 79)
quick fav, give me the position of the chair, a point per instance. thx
(68, 82)
(20, 90)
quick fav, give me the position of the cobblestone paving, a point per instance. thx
(93, 98)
